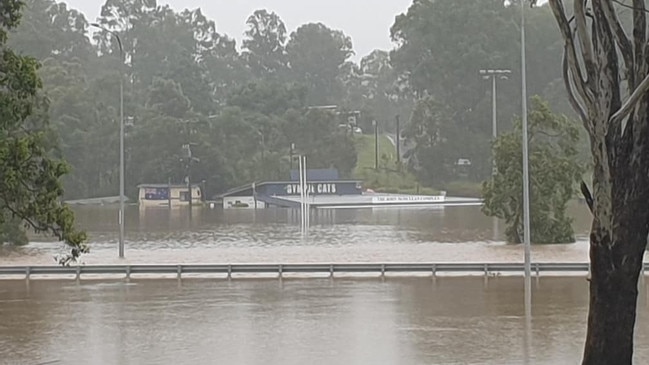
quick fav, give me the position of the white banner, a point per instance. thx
(398, 199)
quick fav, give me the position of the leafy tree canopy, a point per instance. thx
(555, 172)
(30, 185)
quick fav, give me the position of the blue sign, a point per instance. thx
(156, 194)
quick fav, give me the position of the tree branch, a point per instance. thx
(626, 6)
(621, 39)
(583, 37)
(609, 98)
(587, 195)
(629, 104)
(639, 37)
(34, 224)
(576, 105)
(575, 69)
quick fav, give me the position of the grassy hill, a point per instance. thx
(390, 177)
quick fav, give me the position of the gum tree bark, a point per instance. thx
(605, 73)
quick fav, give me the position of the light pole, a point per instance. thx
(121, 139)
(526, 172)
(398, 138)
(376, 144)
(494, 75)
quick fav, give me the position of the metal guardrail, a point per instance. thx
(280, 269)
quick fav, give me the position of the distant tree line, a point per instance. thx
(243, 110)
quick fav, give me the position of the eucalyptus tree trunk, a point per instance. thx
(605, 73)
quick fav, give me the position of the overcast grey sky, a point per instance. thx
(366, 21)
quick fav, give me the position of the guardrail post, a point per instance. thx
(280, 271)
(128, 272)
(78, 273)
(383, 271)
(536, 267)
(486, 269)
(179, 271)
(28, 272)
(434, 269)
(229, 272)
(331, 271)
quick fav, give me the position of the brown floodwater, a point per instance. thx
(465, 320)
(158, 235)
(449, 320)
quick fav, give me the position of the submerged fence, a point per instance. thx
(228, 270)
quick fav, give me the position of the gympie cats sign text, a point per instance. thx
(294, 189)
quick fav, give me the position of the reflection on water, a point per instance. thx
(159, 235)
(315, 321)
(452, 224)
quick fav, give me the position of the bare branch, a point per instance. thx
(629, 104)
(583, 37)
(626, 6)
(639, 37)
(576, 105)
(609, 98)
(621, 39)
(588, 197)
(575, 69)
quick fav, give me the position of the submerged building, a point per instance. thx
(168, 195)
(327, 191)
(320, 183)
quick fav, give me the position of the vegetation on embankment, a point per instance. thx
(463, 188)
(391, 176)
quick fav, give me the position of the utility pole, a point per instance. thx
(189, 159)
(263, 155)
(376, 144)
(398, 139)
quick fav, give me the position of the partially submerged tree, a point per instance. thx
(30, 186)
(606, 72)
(556, 171)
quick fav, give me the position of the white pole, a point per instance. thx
(120, 216)
(301, 194)
(304, 187)
(121, 165)
(526, 172)
(494, 116)
(307, 213)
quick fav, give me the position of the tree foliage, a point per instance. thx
(441, 47)
(435, 137)
(265, 45)
(554, 170)
(317, 56)
(30, 186)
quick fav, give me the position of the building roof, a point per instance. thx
(160, 186)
